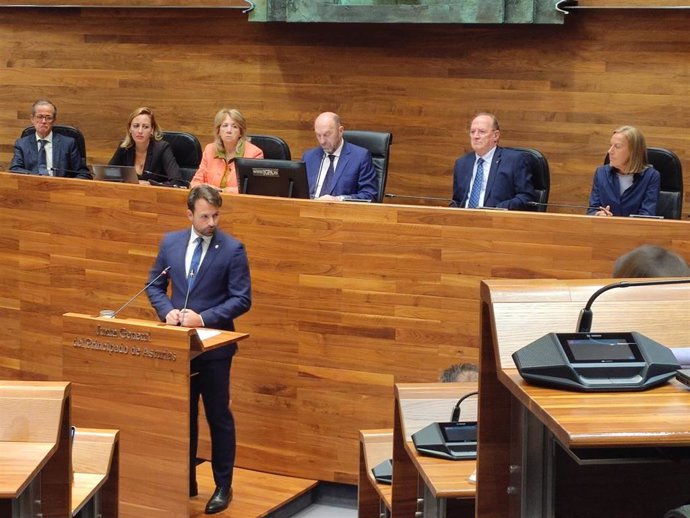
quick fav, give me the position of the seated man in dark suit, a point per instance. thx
(45, 152)
(338, 170)
(491, 176)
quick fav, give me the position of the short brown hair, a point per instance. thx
(204, 192)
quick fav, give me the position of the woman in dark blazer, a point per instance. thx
(144, 149)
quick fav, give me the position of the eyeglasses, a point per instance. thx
(47, 118)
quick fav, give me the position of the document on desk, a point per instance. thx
(205, 334)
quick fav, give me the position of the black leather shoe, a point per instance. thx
(220, 500)
(193, 489)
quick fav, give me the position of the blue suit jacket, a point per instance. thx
(355, 176)
(640, 198)
(221, 290)
(66, 157)
(509, 184)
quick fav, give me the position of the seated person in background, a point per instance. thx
(627, 185)
(338, 170)
(217, 166)
(460, 372)
(45, 152)
(491, 176)
(651, 261)
(145, 149)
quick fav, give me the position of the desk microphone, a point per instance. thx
(455, 416)
(112, 314)
(424, 198)
(584, 321)
(168, 182)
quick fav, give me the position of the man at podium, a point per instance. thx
(210, 287)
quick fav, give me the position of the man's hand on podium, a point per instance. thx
(184, 317)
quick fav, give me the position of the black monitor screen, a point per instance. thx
(459, 432)
(600, 347)
(286, 178)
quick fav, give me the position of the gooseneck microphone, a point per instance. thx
(112, 314)
(70, 173)
(190, 280)
(423, 198)
(561, 205)
(584, 321)
(180, 183)
(455, 416)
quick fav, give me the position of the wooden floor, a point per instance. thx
(255, 494)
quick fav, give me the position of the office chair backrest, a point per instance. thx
(378, 143)
(67, 131)
(274, 148)
(541, 176)
(670, 203)
(187, 151)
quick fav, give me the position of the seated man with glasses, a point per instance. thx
(45, 152)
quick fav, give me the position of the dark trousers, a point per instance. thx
(212, 383)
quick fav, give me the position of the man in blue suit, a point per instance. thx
(491, 176)
(338, 170)
(210, 287)
(45, 152)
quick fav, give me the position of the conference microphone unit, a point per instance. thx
(167, 182)
(584, 321)
(107, 313)
(455, 416)
(561, 205)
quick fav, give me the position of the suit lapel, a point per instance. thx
(342, 165)
(492, 174)
(57, 153)
(208, 260)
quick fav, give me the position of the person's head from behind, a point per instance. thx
(628, 150)
(460, 372)
(484, 133)
(203, 209)
(329, 129)
(141, 128)
(651, 261)
(230, 129)
(43, 115)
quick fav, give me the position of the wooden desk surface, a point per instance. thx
(656, 417)
(425, 403)
(19, 464)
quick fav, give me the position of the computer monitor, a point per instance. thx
(115, 173)
(286, 178)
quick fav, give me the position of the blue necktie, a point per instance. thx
(42, 158)
(330, 173)
(477, 185)
(196, 260)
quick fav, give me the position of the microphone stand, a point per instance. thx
(112, 314)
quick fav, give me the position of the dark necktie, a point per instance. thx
(328, 179)
(196, 260)
(477, 185)
(42, 159)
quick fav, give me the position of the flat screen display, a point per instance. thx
(600, 347)
(285, 178)
(459, 432)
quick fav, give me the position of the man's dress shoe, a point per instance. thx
(220, 500)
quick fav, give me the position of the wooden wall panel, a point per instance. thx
(348, 298)
(561, 89)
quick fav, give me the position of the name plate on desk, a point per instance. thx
(455, 441)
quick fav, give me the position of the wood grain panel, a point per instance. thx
(340, 311)
(561, 89)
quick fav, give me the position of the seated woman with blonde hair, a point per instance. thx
(217, 166)
(144, 148)
(628, 184)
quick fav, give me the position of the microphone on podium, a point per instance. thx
(107, 313)
(190, 279)
(584, 321)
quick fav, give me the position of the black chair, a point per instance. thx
(67, 131)
(541, 177)
(670, 203)
(274, 148)
(187, 151)
(378, 143)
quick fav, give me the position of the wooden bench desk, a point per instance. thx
(374, 499)
(95, 461)
(34, 448)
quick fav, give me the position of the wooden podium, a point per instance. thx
(133, 375)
